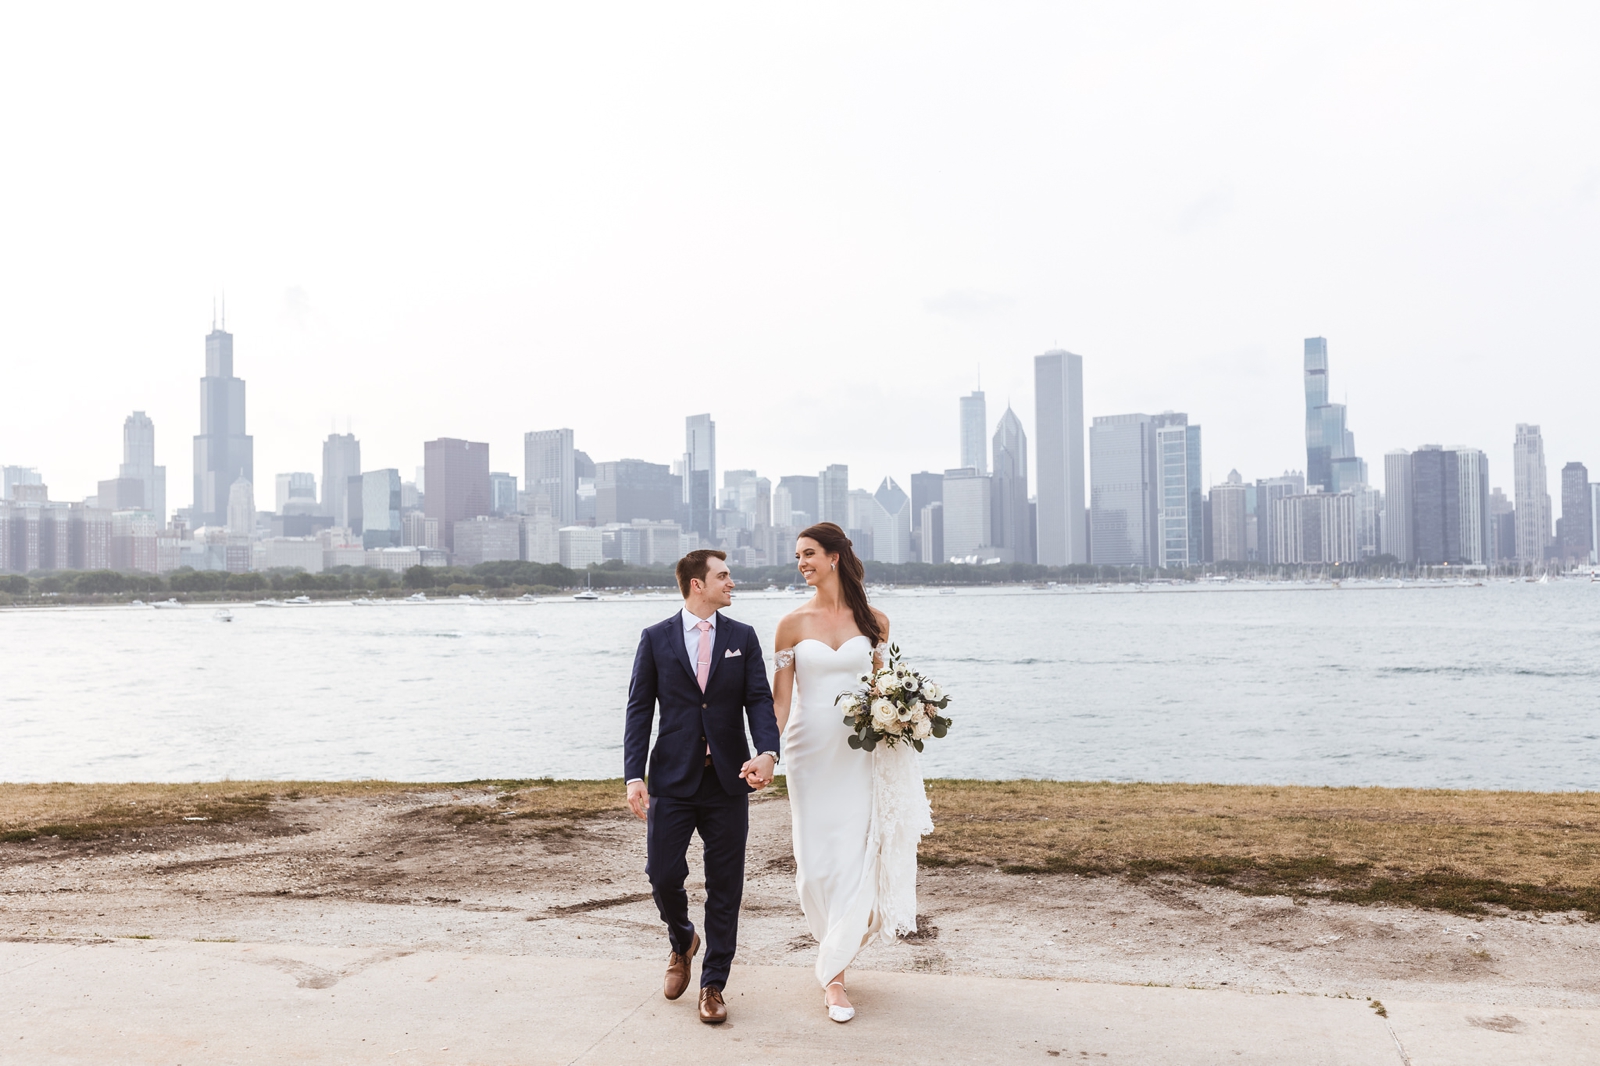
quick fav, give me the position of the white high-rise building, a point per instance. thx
(891, 524)
(241, 513)
(1532, 494)
(1228, 512)
(139, 461)
(1180, 515)
(974, 419)
(1397, 508)
(1062, 528)
(550, 470)
(1472, 504)
(833, 495)
(968, 515)
(1122, 491)
(341, 461)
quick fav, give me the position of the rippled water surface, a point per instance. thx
(1495, 686)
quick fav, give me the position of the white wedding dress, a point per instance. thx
(857, 815)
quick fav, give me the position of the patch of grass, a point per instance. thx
(1455, 851)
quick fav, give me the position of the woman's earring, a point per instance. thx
(833, 566)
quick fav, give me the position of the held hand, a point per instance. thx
(638, 799)
(758, 771)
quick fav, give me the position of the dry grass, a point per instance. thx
(79, 812)
(1455, 850)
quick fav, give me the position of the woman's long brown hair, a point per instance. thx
(851, 576)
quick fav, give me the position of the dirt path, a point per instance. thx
(407, 870)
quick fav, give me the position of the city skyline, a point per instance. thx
(1146, 501)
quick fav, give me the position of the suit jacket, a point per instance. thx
(736, 691)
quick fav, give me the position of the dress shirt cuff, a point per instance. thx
(631, 780)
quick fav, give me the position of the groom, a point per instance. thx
(707, 674)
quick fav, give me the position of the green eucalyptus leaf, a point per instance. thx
(854, 741)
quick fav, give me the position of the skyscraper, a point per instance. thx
(833, 495)
(1435, 506)
(240, 514)
(891, 524)
(1577, 520)
(1012, 529)
(300, 486)
(1268, 491)
(968, 518)
(1397, 536)
(974, 420)
(1122, 491)
(1181, 539)
(139, 461)
(1331, 460)
(550, 469)
(1503, 522)
(1062, 526)
(223, 452)
(926, 487)
(1228, 513)
(802, 490)
(380, 509)
(502, 493)
(458, 484)
(629, 490)
(1472, 501)
(341, 461)
(700, 475)
(1532, 494)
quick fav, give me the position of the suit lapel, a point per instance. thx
(719, 646)
(679, 651)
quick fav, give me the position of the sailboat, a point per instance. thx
(587, 593)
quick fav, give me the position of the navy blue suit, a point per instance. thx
(687, 795)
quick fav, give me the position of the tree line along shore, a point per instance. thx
(1465, 852)
(508, 578)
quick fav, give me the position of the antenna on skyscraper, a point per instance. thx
(224, 310)
(213, 313)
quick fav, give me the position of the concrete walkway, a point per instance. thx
(175, 1003)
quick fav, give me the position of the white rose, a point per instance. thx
(896, 727)
(923, 729)
(882, 714)
(932, 692)
(890, 684)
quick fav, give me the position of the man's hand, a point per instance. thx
(638, 799)
(758, 771)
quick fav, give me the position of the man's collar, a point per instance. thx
(690, 619)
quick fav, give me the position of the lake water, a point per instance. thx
(1495, 686)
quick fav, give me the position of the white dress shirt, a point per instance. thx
(691, 635)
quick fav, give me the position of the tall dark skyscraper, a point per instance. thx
(457, 478)
(223, 452)
(1577, 523)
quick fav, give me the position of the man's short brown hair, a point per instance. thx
(696, 565)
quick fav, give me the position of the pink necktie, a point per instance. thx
(702, 671)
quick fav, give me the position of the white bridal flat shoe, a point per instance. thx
(838, 1014)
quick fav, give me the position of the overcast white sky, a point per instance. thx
(815, 221)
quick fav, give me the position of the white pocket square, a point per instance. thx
(731, 652)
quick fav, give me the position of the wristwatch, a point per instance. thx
(771, 753)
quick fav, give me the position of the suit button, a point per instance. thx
(702, 706)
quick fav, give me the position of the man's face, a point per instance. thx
(718, 586)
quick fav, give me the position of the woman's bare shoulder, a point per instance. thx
(883, 620)
(791, 626)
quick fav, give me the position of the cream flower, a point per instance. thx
(923, 729)
(932, 692)
(883, 713)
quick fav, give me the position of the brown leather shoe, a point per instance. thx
(712, 1010)
(677, 978)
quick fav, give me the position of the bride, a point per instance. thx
(857, 815)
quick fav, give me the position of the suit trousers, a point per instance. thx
(723, 822)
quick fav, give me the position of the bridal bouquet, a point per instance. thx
(894, 704)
